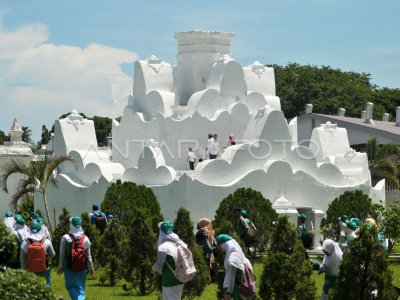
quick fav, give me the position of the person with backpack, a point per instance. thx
(169, 257)
(246, 230)
(21, 230)
(303, 234)
(239, 281)
(98, 218)
(75, 259)
(35, 252)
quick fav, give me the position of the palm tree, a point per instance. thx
(384, 161)
(35, 176)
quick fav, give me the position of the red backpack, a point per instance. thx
(36, 256)
(247, 288)
(78, 257)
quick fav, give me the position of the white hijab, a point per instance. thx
(9, 222)
(332, 262)
(162, 237)
(233, 246)
(75, 231)
(38, 236)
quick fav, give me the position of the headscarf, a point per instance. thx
(371, 222)
(302, 217)
(75, 227)
(36, 232)
(207, 225)
(332, 262)
(35, 217)
(9, 221)
(166, 232)
(230, 246)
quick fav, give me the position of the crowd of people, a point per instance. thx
(174, 259)
(35, 249)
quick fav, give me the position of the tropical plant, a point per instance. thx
(35, 176)
(384, 161)
(353, 204)
(27, 135)
(287, 274)
(259, 211)
(364, 271)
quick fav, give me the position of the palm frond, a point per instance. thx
(13, 167)
(388, 150)
(20, 192)
(384, 165)
(52, 164)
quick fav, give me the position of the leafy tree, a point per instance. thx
(3, 137)
(111, 253)
(183, 227)
(259, 211)
(353, 204)
(286, 273)
(26, 207)
(35, 176)
(8, 245)
(327, 89)
(103, 126)
(61, 229)
(364, 271)
(27, 135)
(46, 135)
(384, 161)
(23, 285)
(137, 209)
(391, 224)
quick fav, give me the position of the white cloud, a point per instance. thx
(53, 79)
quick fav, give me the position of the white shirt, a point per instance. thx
(214, 147)
(191, 156)
(209, 142)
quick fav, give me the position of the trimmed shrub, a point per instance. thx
(21, 285)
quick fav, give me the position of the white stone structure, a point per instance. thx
(172, 109)
(15, 149)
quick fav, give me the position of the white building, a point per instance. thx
(174, 108)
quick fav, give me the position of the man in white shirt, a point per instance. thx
(214, 147)
(209, 142)
(191, 159)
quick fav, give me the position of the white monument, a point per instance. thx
(174, 108)
(14, 149)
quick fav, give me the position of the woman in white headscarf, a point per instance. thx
(75, 281)
(234, 265)
(330, 265)
(167, 254)
(36, 235)
(9, 221)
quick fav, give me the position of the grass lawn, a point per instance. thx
(96, 292)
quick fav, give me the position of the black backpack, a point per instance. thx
(100, 221)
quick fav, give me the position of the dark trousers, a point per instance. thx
(191, 165)
(213, 156)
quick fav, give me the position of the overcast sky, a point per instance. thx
(56, 55)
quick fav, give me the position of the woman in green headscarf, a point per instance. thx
(167, 255)
(234, 265)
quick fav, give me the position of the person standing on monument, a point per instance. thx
(191, 158)
(214, 147)
(209, 141)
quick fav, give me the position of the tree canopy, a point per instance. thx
(259, 211)
(328, 89)
(354, 204)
